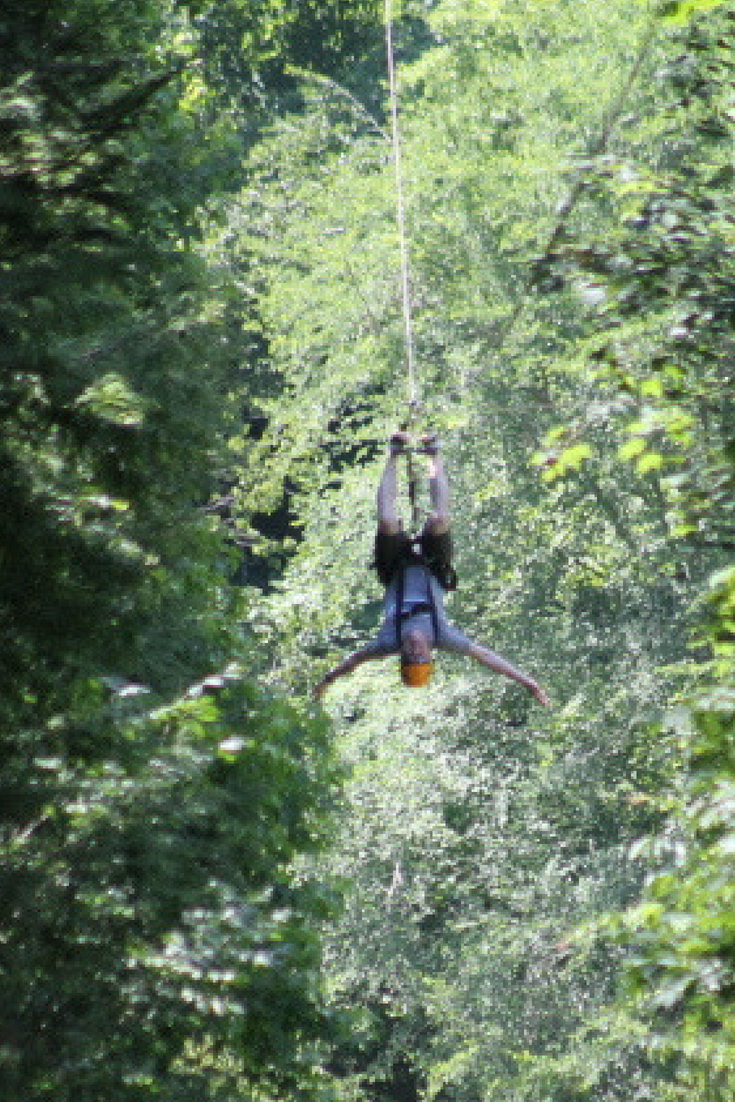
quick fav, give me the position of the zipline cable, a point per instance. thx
(413, 392)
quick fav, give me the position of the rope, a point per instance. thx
(413, 496)
(413, 399)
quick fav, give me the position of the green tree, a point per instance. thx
(156, 939)
(662, 340)
(456, 935)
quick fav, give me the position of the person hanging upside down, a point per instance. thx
(416, 575)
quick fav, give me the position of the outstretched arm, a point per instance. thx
(347, 665)
(494, 662)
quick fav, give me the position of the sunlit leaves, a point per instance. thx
(679, 11)
(152, 809)
(668, 343)
(566, 460)
(476, 832)
(111, 399)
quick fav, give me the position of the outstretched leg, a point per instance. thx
(389, 523)
(438, 521)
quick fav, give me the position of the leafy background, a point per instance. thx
(212, 887)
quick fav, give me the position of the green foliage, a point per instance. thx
(477, 833)
(157, 939)
(102, 333)
(160, 917)
(250, 49)
(163, 860)
(681, 10)
(664, 343)
(479, 836)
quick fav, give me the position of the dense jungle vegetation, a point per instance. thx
(213, 887)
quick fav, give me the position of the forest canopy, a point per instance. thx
(214, 887)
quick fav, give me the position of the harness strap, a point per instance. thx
(428, 605)
(416, 610)
(432, 603)
(400, 590)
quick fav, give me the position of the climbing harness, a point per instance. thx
(413, 494)
(419, 607)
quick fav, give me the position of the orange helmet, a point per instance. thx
(416, 674)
